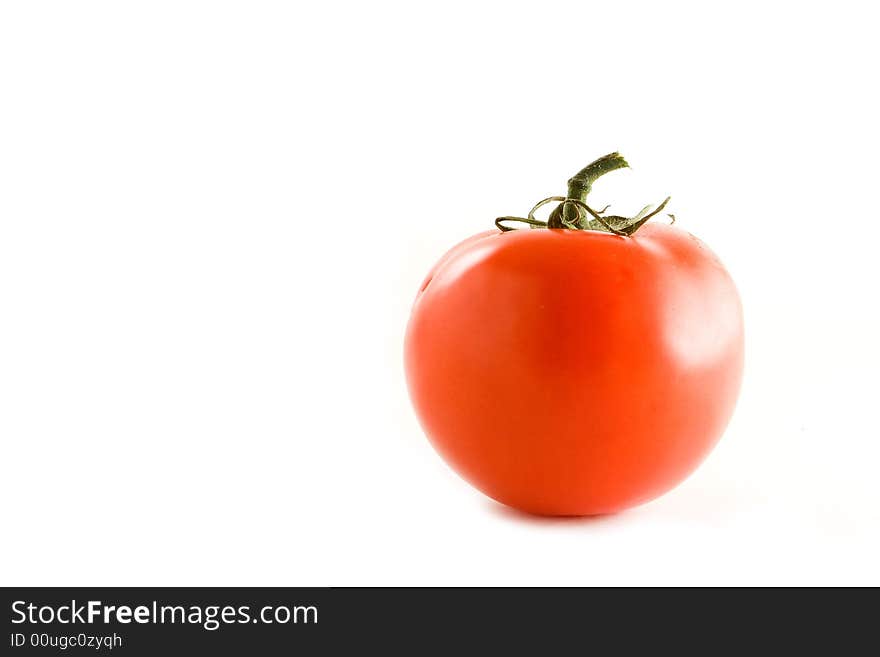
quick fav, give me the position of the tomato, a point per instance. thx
(575, 372)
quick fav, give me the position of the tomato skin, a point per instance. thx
(567, 372)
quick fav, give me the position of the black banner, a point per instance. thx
(171, 621)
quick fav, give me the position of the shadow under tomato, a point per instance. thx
(509, 513)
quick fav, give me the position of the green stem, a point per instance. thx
(580, 184)
(573, 211)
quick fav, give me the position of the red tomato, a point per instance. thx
(575, 372)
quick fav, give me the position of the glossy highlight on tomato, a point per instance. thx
(575, 372)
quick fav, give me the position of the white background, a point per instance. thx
(214, 217)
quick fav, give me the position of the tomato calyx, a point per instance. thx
(572, 211)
